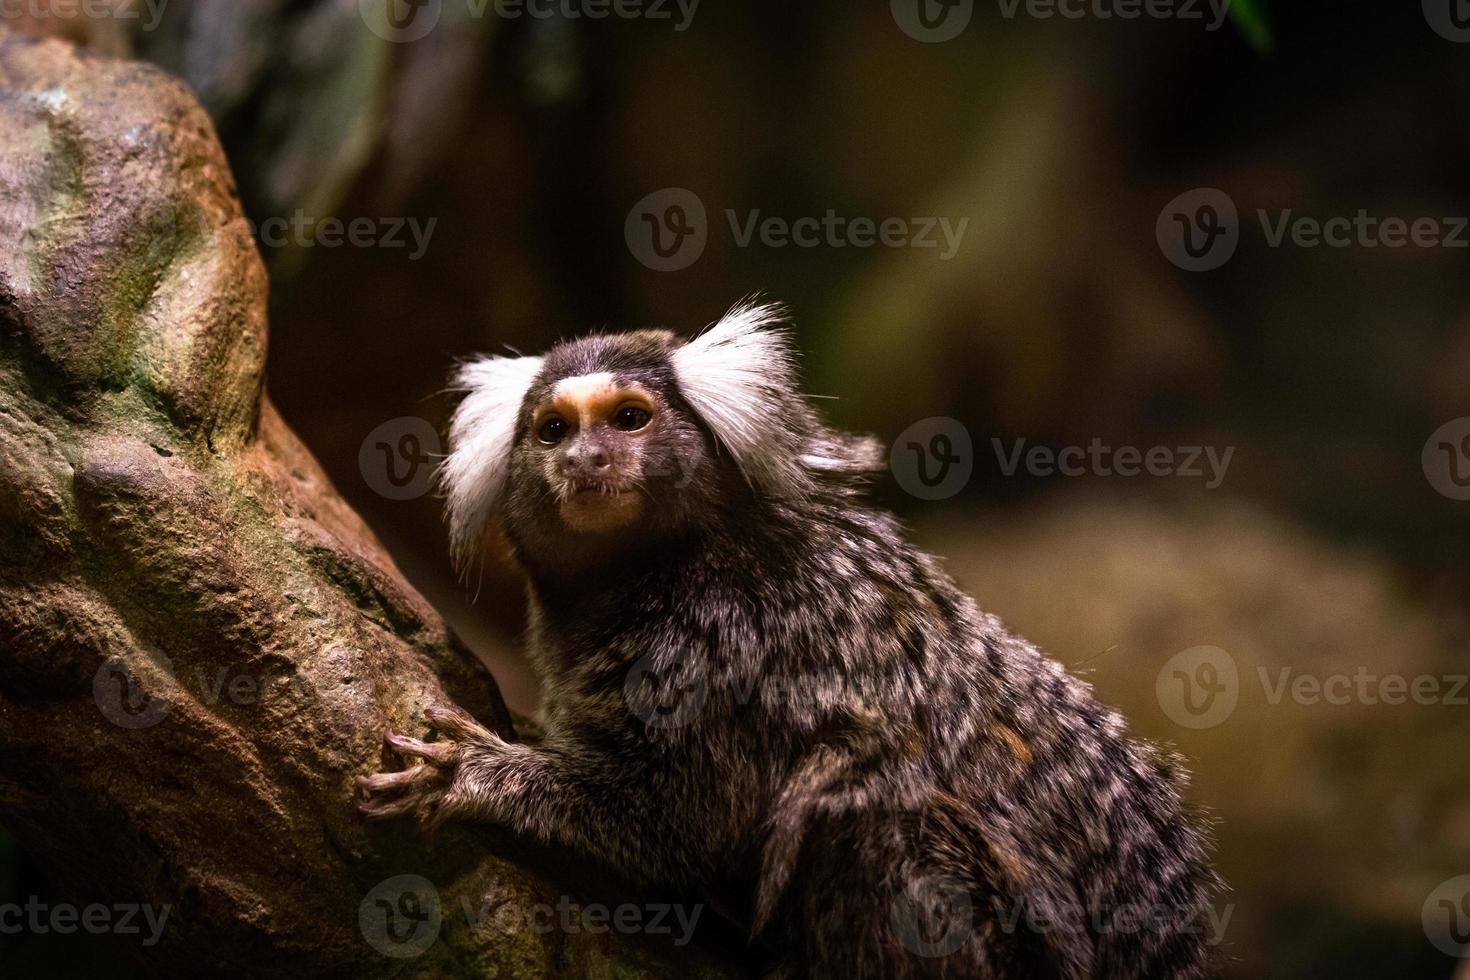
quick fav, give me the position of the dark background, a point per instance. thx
(1326, 550)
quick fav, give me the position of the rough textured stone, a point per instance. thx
(200, 643)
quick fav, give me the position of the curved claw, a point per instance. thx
(455, 722)
(379, 809)
(440, 753)
(380, 781)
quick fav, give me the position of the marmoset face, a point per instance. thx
(605, 443)
(615, 441)
(592, 433)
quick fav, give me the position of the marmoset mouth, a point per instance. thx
(596, 505)
(590, 488)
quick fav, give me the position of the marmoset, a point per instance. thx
(755, 686)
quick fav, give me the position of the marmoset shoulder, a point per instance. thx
(755, 686)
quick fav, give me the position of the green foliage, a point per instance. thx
(1254, 22)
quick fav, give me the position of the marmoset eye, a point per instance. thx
(553, 431)
(631, 418)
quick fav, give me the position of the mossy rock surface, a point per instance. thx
(201, 644)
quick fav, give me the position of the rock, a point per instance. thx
(200, 643)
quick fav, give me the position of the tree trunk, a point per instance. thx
(200, 643)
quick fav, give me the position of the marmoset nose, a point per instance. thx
(593, 460)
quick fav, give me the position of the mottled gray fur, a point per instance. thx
(760, 691)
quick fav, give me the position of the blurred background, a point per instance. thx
(1062, 270)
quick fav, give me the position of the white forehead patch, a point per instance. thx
(584, 387)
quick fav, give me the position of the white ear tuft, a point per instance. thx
(481, 436)
(740, 376)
